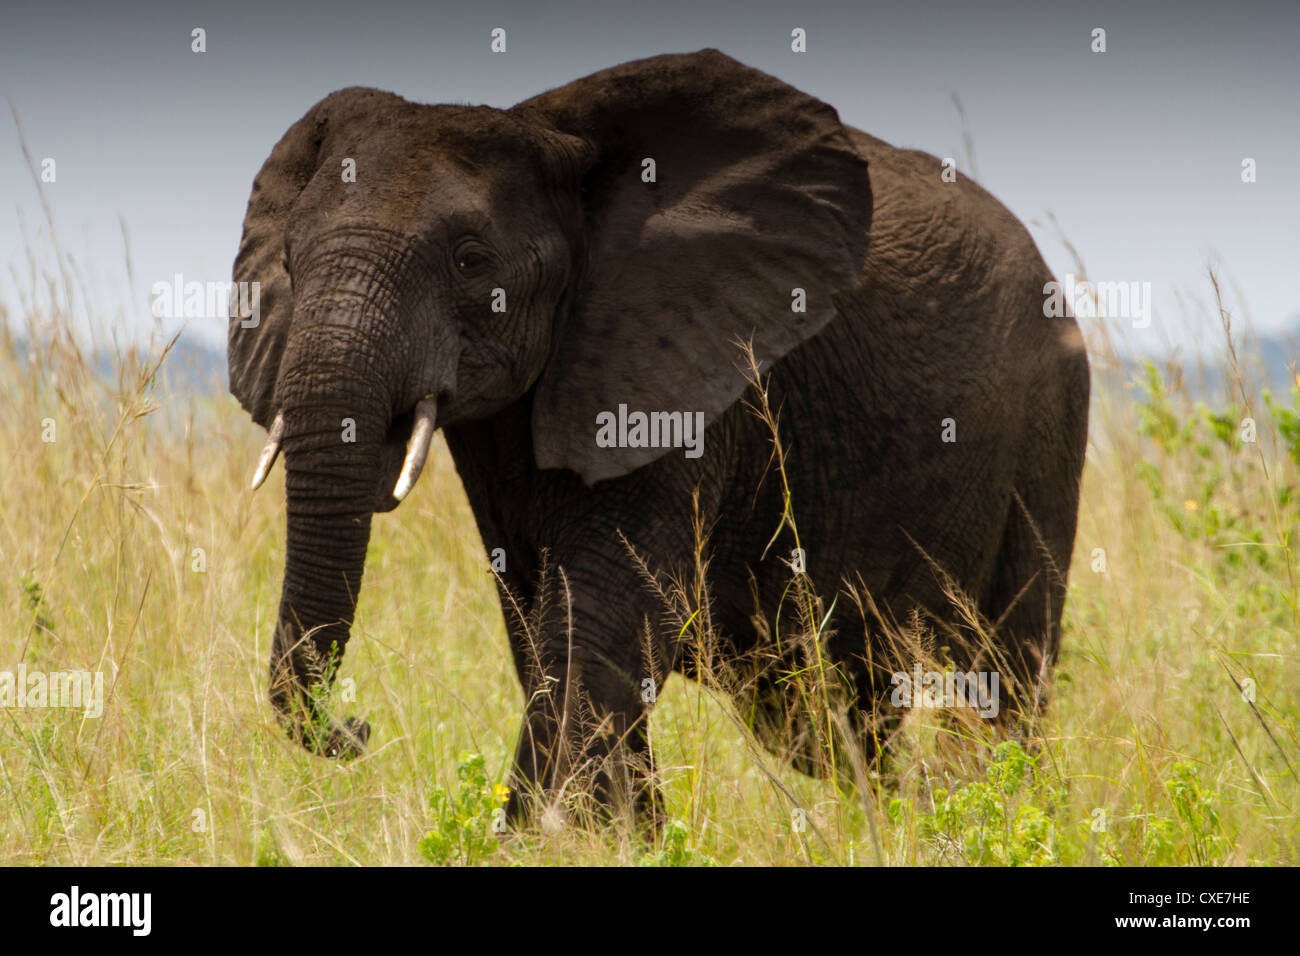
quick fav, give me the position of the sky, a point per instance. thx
(1134, 155)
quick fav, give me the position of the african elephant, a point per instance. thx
(522, 278)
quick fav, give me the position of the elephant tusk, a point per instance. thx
(417, 449)
(270, 452)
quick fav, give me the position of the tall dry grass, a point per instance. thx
(131, 545)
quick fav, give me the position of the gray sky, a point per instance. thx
(1137, 151)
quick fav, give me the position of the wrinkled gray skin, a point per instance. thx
(924, 303)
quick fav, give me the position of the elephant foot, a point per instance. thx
(338, 741)
(349, 740)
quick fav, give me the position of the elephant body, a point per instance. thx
(932, 419)
(877, 495)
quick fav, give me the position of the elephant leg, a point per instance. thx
(576, 744)
(1025, 601)
(1026, 597)
(842, 726)
(877, 717)
(584, 746)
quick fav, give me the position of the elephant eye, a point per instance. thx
(472, 261)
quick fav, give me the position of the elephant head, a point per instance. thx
(606, 242)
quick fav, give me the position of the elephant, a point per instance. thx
(660, 242)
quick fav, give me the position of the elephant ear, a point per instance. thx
(254, 344)
(757, 193)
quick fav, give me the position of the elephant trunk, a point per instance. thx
(332, 444)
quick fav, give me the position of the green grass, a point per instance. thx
(1171, 738)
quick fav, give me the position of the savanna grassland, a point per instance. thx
(130, 544)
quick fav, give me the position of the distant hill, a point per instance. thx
(193, 365)
(1280, 355)
(1268, 361)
